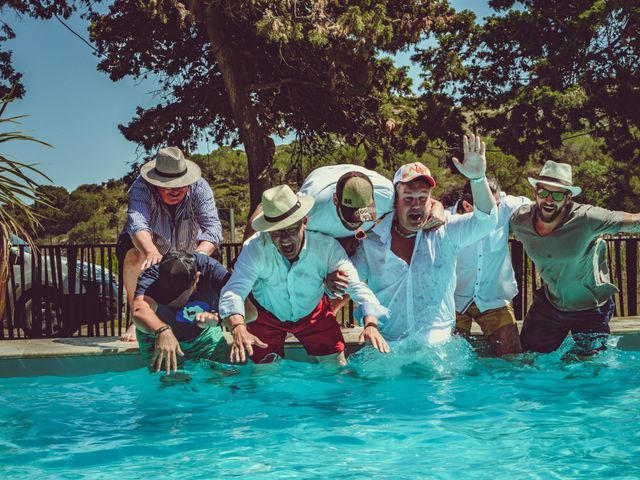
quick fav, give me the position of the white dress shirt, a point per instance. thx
(292, 291)
(419, 295)
(484, 270)
(321, 185)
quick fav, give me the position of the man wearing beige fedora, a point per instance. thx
(562, 237)
(171, 207)
(283, 267)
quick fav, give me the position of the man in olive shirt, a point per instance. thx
(562, 238)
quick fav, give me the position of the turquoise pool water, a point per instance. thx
(441, 413)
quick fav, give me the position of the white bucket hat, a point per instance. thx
(170, 169)
(556, 175)
(281, 208)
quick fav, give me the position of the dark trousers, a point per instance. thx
(545, 327)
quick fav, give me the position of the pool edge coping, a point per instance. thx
(100, 346)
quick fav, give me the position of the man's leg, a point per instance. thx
(131, 265)
(463, 323)
(320, 334)
(499, 326)
(591, 329)
(272, 332)
(543, 330)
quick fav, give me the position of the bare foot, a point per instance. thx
(130, 334)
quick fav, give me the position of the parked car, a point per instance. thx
(65, 302)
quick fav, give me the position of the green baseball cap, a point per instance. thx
(355, 198)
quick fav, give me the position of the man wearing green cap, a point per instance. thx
(349, 201)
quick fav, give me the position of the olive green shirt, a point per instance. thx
(572, 260)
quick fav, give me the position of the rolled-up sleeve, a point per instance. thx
(205, 205)
(139, 209)
(359, 291)
(245, 274)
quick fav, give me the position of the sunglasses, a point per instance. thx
(290, 231)
(556, 196)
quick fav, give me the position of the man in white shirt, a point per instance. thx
(412, 271)
(486, 282)
(350, 200)
(284, 266)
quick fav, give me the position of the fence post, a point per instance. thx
(632, 275)
(232, 225)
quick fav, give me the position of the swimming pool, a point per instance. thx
(440, 413)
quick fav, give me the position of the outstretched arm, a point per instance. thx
(474, 167)
(631, 223)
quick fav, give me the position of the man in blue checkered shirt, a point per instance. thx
(171, 207)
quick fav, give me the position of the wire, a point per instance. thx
(77, 34)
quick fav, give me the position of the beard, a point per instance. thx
(549, 217)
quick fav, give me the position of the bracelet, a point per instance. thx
(164, 328)
(477, 180)
(236, 326)
(201, 252)
(370, 324)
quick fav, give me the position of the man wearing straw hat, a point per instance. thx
(171, 207)
(562, 238)
(283, 267)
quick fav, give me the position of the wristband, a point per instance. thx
(236, 326)
(370, 324)
(200, 252)
(477, 180)
(164, 328)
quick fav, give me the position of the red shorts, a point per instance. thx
(319, 333)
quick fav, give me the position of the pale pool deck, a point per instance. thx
(109, 346)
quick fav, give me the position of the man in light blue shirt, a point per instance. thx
(486, 282)
(412, 271)
(283, 267)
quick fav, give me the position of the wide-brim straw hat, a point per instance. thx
(281, 208)
(170, 169)
(556, 175)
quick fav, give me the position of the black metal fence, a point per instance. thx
(76, 290)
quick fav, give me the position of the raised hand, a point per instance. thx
(475, 162)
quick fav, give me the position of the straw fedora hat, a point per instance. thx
(170, 169)
(281, 208)
(556, 175)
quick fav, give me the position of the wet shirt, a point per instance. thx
(292, 290)
(194, 220)
(484, 270)
(213, 276)
(419, 295)
(572, 259)
(321, 185)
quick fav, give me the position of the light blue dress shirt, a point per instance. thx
(292, 291)
(419, 295)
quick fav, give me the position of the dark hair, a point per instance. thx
(466, 195)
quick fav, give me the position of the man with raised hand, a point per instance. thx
(485, 281)
(562, 238)
(412, 271)
(175, 310)
(283, 267)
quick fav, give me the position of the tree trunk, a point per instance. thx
(259, 146)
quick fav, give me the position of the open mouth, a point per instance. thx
(415, 217)
(548, 208)
(288, 248)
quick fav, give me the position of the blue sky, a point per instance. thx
(77, 109)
